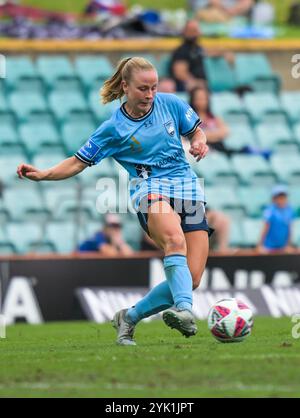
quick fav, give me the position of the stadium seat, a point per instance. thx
(58, 198)
(106, 168)
(236, 238)
(290, 103)
(19, 68)
(294, 198)
(252, 169)
(221, 198)
(240, 136)
(24, 236)
(252, 229)
(296, 233)
(40, 137)
(102, 112)
(6, 246)
(74, 135)
(258, 104)
(9, 166)
(29, 85)
(163, 66)
(271, 136)
(223, 103)
(215, 167)
(66, 85)
(63, 236)
(47, 160)
(93, 69)
(24, 104)
(4, 105)
(53, 68)
(8, 136)
(25, 203)
(296, 130)
(255, 70)
(219, 74)
(63, 103)
(286, 169)
(254, 199)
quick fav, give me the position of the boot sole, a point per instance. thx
(172, 321)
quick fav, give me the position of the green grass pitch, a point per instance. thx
(80, 359)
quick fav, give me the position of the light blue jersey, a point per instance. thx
(149, 148)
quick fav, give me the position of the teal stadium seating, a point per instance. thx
(38, 138)
(253, 170)
(25, 203)
(254, 70)
(54, 68)
(220, 75)
(50, 105)
(93, 70)
(260, 104)
(290, 102)
(24, 237)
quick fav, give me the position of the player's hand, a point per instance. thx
(199, 150)
(29, 172)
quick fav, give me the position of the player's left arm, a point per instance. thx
(198, 148)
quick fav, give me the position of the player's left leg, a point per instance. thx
(197, 253)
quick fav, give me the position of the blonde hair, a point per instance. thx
(112, 88)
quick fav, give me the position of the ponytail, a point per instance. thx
(112, 88)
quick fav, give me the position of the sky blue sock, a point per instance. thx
(180, 280)
(158, 299)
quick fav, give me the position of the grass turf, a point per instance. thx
(79, 5)
(81, 360)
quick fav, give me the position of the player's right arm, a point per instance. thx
(65, 169)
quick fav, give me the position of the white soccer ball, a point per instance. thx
(230, 320)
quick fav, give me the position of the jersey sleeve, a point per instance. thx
(99, 145)
(187, 117)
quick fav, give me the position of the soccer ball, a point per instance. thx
(230, 320)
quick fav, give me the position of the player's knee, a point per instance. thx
(175, 243)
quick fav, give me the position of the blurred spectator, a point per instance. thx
(187, 67)
(214, 127)
(166, 85)
(221, 10)
(278, 217)
(114, 7)
(220, 222)
(110, 240)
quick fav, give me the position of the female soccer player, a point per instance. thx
(143, 135)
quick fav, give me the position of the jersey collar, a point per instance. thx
(125, 113)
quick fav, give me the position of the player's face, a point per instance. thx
(141, 90)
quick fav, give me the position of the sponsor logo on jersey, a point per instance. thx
(170, 128)
(143, 171)
(189, 114)
(135, 145)
(90, 150)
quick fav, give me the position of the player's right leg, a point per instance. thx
(164, 226)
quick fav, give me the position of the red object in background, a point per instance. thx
(113, 6)
(14, 10)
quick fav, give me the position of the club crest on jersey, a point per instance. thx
(170, 128)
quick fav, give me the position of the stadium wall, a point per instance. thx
(72, 288)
